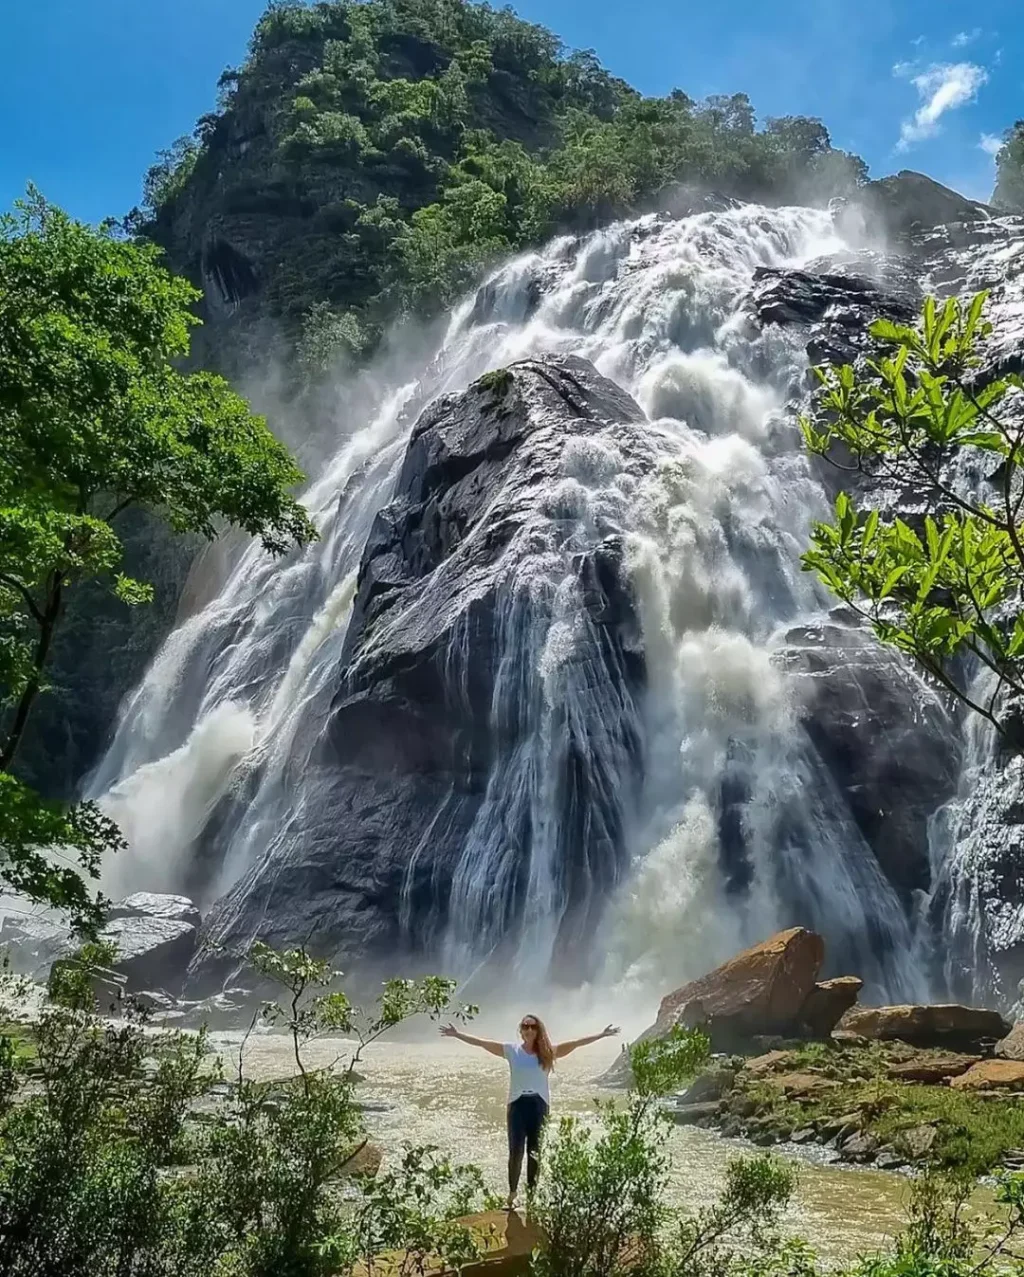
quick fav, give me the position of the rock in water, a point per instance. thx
(499, 555)
(927, 1025)
(155, 937)
(760, 991)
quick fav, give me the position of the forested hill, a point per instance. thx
(368, 158)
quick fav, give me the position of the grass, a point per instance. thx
(973, 1132)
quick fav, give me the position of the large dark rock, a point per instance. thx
(928, 1025)
(885, 736)
(154, 936)
(970, 861)
(152, 952)
(500, 553)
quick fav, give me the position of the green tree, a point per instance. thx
(948, 584)
(95, 418)
(1009, 191)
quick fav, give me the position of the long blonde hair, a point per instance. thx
(545, 1052)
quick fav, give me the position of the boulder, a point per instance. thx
(711, 1085)
(991, 1075)
(905, 203)
(691, 1114)
(151, 950)
(1012, 1046)
(861, 1146)
(917, 1142)
(760, 991)
(509, 508)
(34, 944)
(505, 1238)
(365, 1161)
(770, 1062)
(152, 904)
(828, 1002)
(932, 1070)
(942, 1024)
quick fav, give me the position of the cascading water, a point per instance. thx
(737, 828)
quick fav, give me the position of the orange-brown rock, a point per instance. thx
(506, 1242)
(932, 1069)
(990, 1075)
(759, 991)
(942, 1024)
(828, 1002)
(769, 1062)
(364, 1161)
(797, 1085)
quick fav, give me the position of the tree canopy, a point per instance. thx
(96, 418)
(370, 155)
(1009, 192)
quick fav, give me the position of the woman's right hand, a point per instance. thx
(449, 1031)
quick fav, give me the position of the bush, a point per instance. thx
(116, 1158)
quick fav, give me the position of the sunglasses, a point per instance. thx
(528, 1024)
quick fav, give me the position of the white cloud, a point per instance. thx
(990, 144)
(963, 38)
(944, 87)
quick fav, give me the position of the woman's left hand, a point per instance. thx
(611, 1031)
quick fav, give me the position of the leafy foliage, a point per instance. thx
(120, 1158)
(602, 1198)
(1009, 191)
(391, 148)
(950, 586)
(95, 418)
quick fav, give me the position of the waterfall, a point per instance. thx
(737, 829)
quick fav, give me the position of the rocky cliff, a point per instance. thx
(506, 513)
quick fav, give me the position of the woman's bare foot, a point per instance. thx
(510, 1202)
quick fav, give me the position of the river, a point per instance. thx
(453, 1096)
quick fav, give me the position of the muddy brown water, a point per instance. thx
(453, 1096)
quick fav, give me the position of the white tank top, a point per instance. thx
(526, 1077)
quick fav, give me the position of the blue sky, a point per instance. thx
(89, 91)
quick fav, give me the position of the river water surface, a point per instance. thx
(451, 1095)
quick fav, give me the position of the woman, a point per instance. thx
(529, 1063)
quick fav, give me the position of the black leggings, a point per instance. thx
(526, 1118)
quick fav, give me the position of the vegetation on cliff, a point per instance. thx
(95, 420)
(1009, 192)
(910, 420)
(370, 155)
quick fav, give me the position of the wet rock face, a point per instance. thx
(885, 735)
(499, 553)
